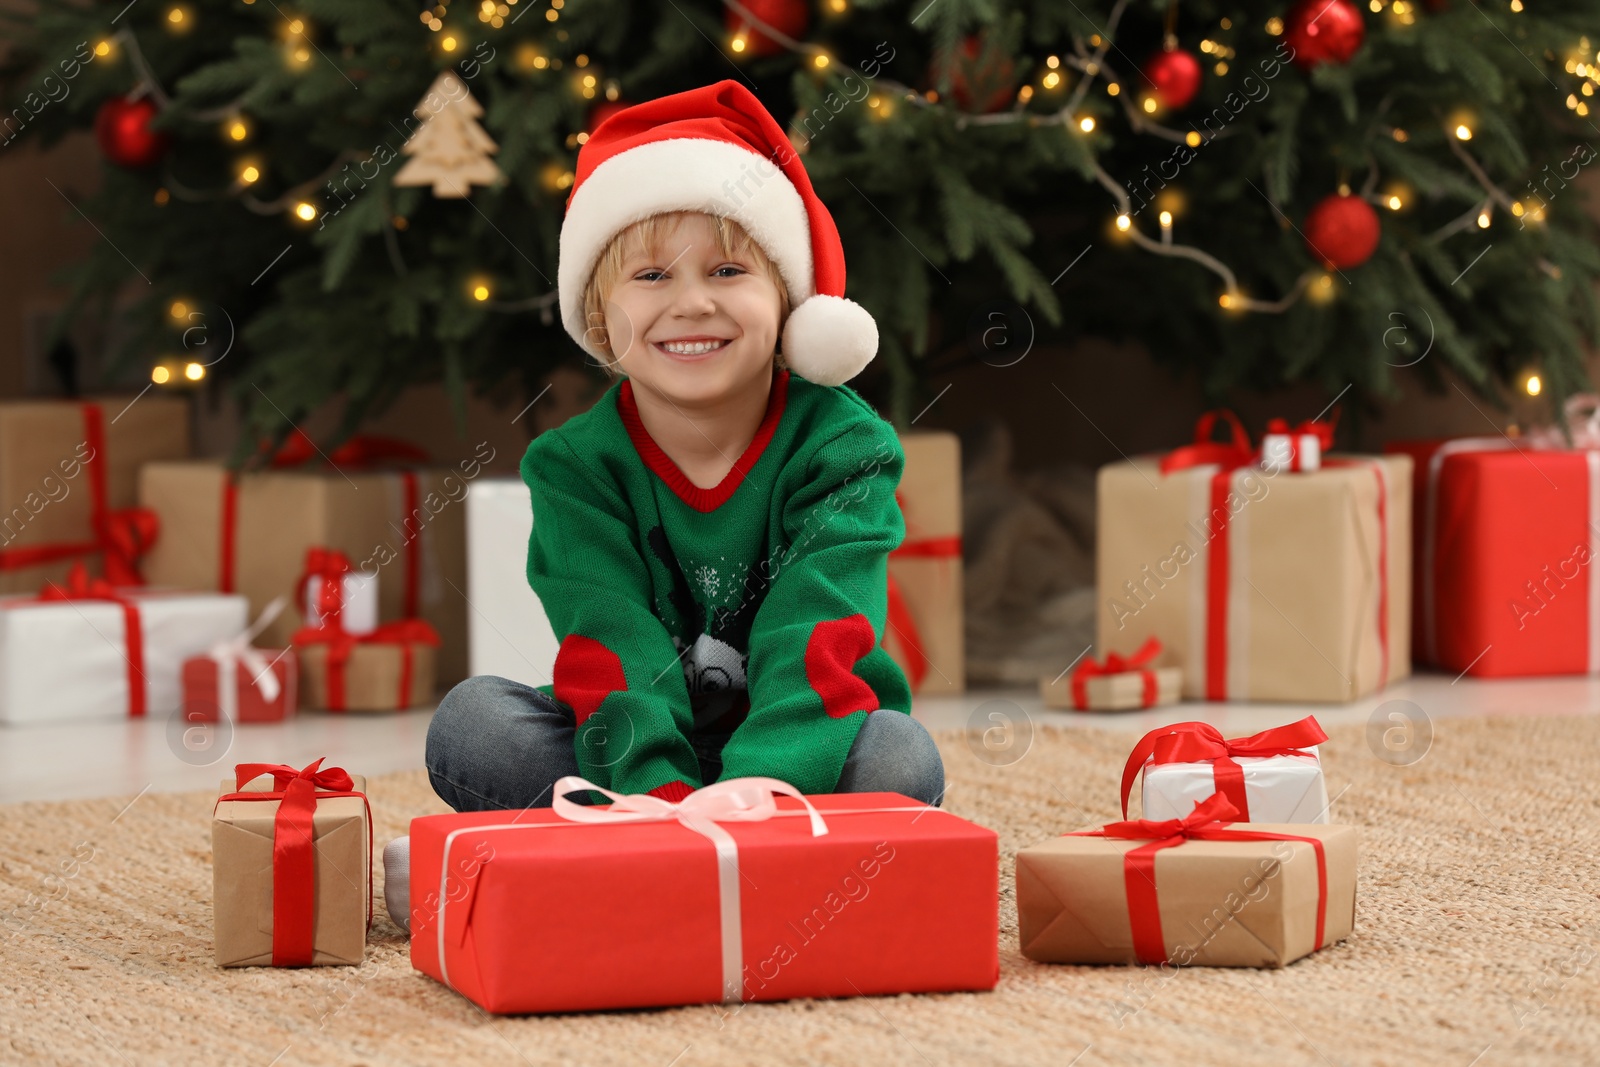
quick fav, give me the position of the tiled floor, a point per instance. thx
(124, 757)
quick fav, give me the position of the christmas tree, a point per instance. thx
(1325, 193)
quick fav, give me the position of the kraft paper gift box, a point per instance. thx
(1506, 538)
(71, 659)
(1273, 776)
(1208, 894)
(319, 851)
(925, 633)
(1292, 586)
(250, 534)
(528, 912)
(390, 669)
(68, 481)
(1118, 684)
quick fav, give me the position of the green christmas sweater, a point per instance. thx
(754, 608)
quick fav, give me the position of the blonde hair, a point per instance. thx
(732, 240)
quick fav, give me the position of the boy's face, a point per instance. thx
(686, 292)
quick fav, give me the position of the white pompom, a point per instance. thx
(829, 340)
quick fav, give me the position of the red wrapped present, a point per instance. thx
(1506, 532)
(728, 895)
(236, 682)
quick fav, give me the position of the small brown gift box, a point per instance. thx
(407, 527)
(925, 591)
(1312, 572)
(242, 833)
(56, 458)
(1221, 903)
(378, 676)
(1122, 691)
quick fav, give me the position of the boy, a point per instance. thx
(710, 540)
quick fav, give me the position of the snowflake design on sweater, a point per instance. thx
(710, 580)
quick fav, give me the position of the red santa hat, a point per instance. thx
(717, 150)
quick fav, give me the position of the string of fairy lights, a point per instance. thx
(1071, 77)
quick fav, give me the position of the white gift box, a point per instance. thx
(1291, 452)
(508, 633)
(1278, 788)
(66, 660)
(358, 613)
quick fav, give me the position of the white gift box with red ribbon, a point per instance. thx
(64, 660)
(1274, 776)
(358, 596)
(1280, 788)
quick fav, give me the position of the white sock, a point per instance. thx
(397, 881)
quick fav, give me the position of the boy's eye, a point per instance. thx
(736, 270)
(652, 274)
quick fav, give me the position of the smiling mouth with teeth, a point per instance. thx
(690, 348)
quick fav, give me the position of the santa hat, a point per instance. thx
(717, 150)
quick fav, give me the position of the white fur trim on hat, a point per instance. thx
(829, 339)
(685, 174)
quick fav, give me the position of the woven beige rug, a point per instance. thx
(1477, 941)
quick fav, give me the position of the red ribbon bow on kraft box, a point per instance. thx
(119, 535)
(1181, 891)
(1119, 683)
(292, 867)
(1279, 780)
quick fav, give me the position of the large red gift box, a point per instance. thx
(1505, 535)
(525, 911)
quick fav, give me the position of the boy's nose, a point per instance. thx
(693, 298)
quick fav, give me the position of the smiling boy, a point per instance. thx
(710, 540)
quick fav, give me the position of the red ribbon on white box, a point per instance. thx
(1297, 449)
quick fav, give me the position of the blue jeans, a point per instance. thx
(498, 744)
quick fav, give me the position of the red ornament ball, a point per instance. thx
(602, 111)
(1324, 31)
(977, 84)
(791, 17)
(122, 128)
(1175, 75)
(1341, 231)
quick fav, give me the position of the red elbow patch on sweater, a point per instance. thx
(586, 672)
(673, 791)
(834, 648)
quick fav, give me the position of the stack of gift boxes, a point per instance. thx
(134, 572)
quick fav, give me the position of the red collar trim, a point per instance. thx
(658, 461)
